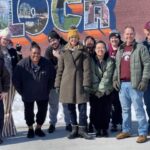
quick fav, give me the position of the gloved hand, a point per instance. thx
(87, 89)
(143, 85)
(57, 90)
(116, 85)
(99, 94)
(18, 47)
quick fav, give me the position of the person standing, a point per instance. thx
(11, 58)
(116, 113)
(52, 53)
(33, 78)
(146, 42)
(73, 81)
(4, 88)
(131, 79)
(102, 74)
(89, 43)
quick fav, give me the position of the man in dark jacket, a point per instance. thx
(33, 78)
(4, 87)
(56, 44)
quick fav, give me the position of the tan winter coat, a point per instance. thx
(73, 73)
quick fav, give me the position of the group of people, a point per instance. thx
(110, 76)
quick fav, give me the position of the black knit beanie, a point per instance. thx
(53, 35)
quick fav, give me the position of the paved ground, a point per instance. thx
(58, 141)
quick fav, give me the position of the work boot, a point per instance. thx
(141, 139)
(74, 132)
(82, 132)
(123, 135)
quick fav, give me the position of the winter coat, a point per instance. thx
(102, 75)
(147, 44)
(33, 85)
(4, 77)
(139, 64)
(15, 58)
(73, 73)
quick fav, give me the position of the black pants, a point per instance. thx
(1, 117)
(116, 113)
(91, 108)
(100, 110)
(41, 113)
(82, 114)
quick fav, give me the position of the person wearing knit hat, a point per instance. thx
(114, 43)
(115, 33)
(5, 33)
(146, 42)
(11, 58)
(147, 25)
(73, 33)
(73, 81)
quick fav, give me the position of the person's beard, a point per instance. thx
(90, 48)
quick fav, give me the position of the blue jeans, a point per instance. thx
(60, 13)
(82, 114)
(53, 108)
(147, 103)
(127, 96)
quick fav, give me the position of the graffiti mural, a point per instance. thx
(32, 20)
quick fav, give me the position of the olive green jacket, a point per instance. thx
(139, 64)
(102, 76)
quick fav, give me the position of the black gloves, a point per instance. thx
(116, 85)
(18, 47)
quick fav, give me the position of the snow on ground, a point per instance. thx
(18, 113)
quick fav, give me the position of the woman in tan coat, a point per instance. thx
(73, 80)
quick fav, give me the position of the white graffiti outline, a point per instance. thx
(66, 3)
(98, 18)
(45, 24)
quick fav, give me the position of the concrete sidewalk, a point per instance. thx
(59, 141)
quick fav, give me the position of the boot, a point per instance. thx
(74, 132)
(82, 132)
